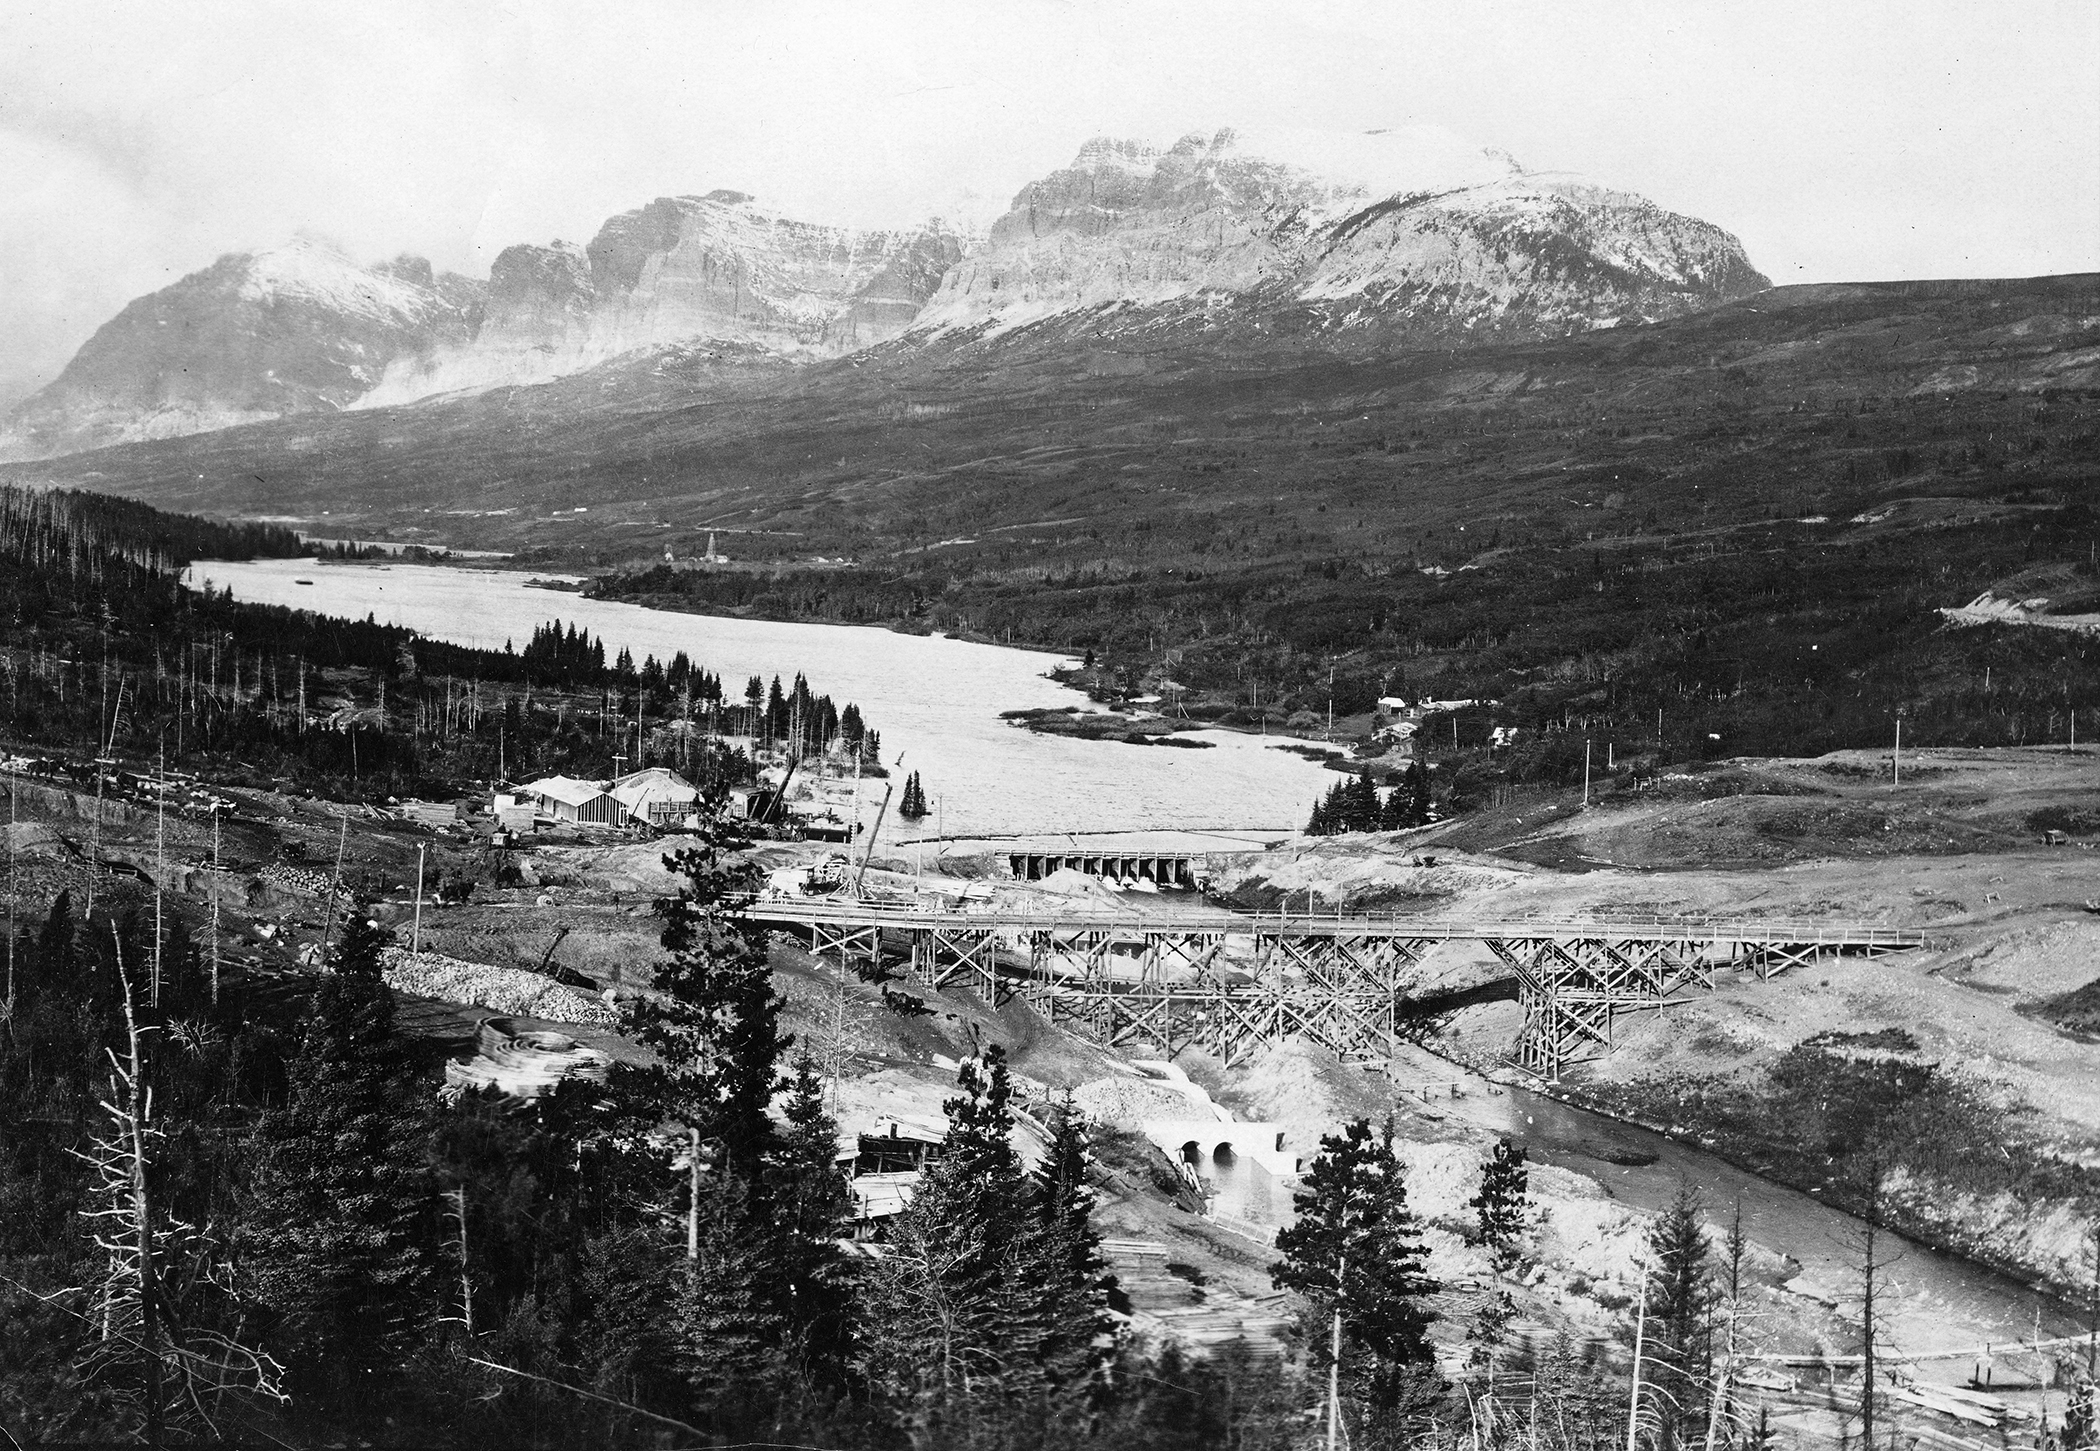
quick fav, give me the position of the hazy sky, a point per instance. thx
(1837, 139)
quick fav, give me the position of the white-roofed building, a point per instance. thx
(656, 797)
(583, 803)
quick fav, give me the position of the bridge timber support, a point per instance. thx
(1231, 983)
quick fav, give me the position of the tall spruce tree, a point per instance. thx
(731, 1311)
(338, 1226)
(1070, 1276)
(913, 803)
(809, 1203)
(958, 1360)
(713, 1021)
(1416, 784)
(1680, 1299)
(1356, 1253)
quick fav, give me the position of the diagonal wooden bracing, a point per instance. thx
(1572, 988)
(1231, 983)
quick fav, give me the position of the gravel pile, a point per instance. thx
(508, 990)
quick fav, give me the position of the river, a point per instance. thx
(936, 701)
(1931, 1301)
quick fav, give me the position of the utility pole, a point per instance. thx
(7, 1009)
(342, 834)
(160, 862)
(1899, 750)
(215, 902)
(415, 934)
(1585, 773)
(101, 761)
(869, 849)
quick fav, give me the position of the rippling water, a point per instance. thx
(935, 701)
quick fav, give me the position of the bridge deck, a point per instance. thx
(1358, 925)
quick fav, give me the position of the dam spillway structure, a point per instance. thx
(1231, 982)
(1175, 870)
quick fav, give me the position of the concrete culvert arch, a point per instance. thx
(1223, 1154)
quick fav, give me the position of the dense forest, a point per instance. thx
(1768, 638)
(107, 650)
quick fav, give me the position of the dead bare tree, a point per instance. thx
(157, 1266)
(1867, 1244)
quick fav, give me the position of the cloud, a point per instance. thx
(1870, 139)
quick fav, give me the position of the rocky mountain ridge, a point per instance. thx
(1367, 244)
(1499, 252)
(711, 268)
(294, 329)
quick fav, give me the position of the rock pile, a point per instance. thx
(297, 879)
(508, 990)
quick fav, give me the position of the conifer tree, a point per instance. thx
(335, 1239)
(1680, 1297)
(2081, 1428)
(959, 1353)
(731, 1320)
(1356, 1257)
(1490, 1329)
(1070, 1275)
(913, 802)
(1416, 784)
(1502, 1207)
(714, 1019)
(1361, 796)
(809, 1203)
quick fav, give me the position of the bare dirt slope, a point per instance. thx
(1963, 1026)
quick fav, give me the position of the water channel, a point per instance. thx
(1933, 1301)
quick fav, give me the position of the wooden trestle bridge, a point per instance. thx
(1231, 982)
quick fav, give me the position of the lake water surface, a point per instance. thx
(936, 701)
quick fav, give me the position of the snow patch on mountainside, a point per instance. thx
(713, 268)
(1405, 228)
(315, 272)
(296, 328)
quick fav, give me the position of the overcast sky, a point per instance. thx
(1839, 140)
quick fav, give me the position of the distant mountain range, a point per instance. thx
(1365, 245)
